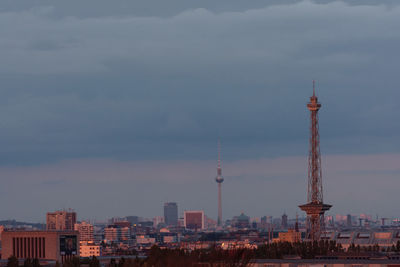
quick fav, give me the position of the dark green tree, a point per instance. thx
(35, 262)
(28, 263)
(12, 262)
(73, 262)
(113, 263)
(94, 262)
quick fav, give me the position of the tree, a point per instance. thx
(113, 263)
(94, 262)
(73, 262)
(28, 263)
(12, 261)
(121, 262)
(35, 262)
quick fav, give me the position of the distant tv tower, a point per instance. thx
(315, 208)
(219, 179)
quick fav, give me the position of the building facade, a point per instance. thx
(89, 249)
(117, 234)
(194, 219)
(61, 220)
(171, 214)
(42, 245)
(85, 231)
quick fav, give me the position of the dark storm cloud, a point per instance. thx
(159, 8)
(135, 81)
(134, 86)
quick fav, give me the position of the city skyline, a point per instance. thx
(113, 110)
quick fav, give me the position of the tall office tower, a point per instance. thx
(349, 222)
(315, 208)
(61, 220)
(219, 179)
(284, 222)
(171, 214)
(85, 231)
(193, 219)
(296, 226)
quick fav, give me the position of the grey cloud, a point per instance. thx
(134, 86)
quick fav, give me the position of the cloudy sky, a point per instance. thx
(114, 107)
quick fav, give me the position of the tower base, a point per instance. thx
(315, 218)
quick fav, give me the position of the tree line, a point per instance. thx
(215, 257)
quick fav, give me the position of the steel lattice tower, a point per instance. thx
(315, 208)
(219, 179)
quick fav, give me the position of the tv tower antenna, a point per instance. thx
(315, 208)
(219, 179)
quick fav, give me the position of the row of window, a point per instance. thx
(29, 247)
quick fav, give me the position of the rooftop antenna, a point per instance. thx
(313, 86)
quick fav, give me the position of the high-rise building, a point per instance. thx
(171, 214)
(349, 222)
(193, 219)
(219, 179)
(284, 221)
(315, 208)
(116, 234)
(61, 220)
(85, 231)
(158, 221)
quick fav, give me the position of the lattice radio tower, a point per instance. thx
(315, 208)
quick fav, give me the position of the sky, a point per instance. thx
(114, 107)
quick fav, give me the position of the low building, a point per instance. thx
(42, 245)
(290, 236)
(194, 219)
(241, 221)
(145, 239)
(89, 249)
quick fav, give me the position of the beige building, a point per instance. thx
(43, 245)
(61, 220)
(89, 249)
(290, 236)
(85, 231)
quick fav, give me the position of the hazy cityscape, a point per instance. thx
(156, 133)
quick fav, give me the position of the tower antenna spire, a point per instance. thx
(219, 169)
(313, 86)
